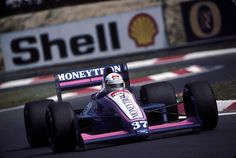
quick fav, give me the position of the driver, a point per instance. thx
(111, 83)
(114, 82)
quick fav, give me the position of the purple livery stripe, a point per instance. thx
(87, 137)
(69, 83)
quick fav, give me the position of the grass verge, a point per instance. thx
(225, 90)
(19, 96)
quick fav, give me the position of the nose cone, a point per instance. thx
(140, 128)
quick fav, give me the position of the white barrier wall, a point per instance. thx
(101, 37)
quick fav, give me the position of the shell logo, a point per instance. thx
(143, 30)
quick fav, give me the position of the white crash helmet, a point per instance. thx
(114, 82)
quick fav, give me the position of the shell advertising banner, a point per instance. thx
(89, 39)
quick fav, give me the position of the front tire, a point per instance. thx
(199, 101)
(35, 122)
(62, 129)
(162, 93)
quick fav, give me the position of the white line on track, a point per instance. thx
(209, 53)
(11, 109)
(219, 114)
(228, 113)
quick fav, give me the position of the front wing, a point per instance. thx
(188, 123)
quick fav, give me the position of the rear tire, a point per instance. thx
(35, 122)
(162, 93)
(62, 130)
(199, 101)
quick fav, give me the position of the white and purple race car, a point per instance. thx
(121, 114)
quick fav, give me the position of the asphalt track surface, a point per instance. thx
(217, 143)
(220, 142)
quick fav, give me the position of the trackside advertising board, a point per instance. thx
(208, 19)
(90, 39)
(12, 7)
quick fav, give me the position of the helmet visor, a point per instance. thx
(114, 86)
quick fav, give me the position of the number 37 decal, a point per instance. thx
(139, 124)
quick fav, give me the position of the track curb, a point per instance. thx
(131, 65)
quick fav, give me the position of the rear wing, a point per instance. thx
(83, 78)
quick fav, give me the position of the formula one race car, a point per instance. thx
(117, 114)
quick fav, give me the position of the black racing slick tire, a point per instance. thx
(61, 125)
(199, 101)
(162, 93)
(35, 122)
